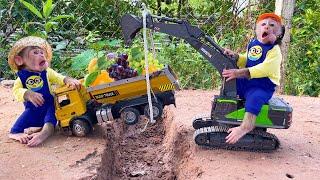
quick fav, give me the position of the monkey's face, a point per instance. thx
(34, 60)
(268, 30)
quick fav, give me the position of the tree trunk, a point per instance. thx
(285, 9)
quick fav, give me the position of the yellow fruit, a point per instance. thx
(152, 68)
(92, 65)
(102, 78)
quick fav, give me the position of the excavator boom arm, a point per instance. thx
(204, 44)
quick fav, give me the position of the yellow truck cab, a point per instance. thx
(70, 104)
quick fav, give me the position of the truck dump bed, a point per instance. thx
(110, 93)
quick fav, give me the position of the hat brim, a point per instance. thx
(26, 42)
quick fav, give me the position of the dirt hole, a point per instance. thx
(155, 153)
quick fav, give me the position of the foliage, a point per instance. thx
(98, 16)
(94, 30)
(97, 50)
(181, 57)
(303, 66)
(47, 22)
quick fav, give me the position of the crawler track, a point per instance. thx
(256, 140)
(210, 133)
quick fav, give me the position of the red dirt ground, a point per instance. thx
(164, 151)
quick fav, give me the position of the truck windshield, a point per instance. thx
(63, 100)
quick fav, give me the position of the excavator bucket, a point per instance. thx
(130, 25)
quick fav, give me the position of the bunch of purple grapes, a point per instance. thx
(121, 70)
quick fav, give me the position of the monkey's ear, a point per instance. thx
(280, 37)
(18, 60)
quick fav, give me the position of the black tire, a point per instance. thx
(157, 110)
(130, 115)
(80, 127)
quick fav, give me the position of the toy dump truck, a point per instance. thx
(78, 110)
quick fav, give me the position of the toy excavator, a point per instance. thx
(227, 109)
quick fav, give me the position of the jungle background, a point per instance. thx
(80, 29)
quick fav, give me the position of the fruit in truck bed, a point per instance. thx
(121, 70)
(152, 68)
(92, 65)
(139, 64)
(102, 78)
(111, 56)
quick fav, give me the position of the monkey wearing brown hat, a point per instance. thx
(29, 58)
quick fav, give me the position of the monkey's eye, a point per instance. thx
(38, 51)
(272, 25)
(263, 24)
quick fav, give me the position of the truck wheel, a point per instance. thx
(130, 115)
(80, 127)
(157, 110)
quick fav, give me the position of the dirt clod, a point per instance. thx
(290, 176)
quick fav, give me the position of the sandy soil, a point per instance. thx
(164, 151)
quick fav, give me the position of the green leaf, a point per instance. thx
(2, 11)
(98, 45)
(47, 8)
(136, 54)
(50, 25)
(81, 61)
(28, 24)
(114, 43)
(61, 45)
(61, 17)
(41, 34)
(103, 63)
(91, 78)
(33, 9)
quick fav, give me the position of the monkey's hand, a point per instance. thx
(235, 134)
(235, 73)
(35, 98)
(74, 83)
(230, 53)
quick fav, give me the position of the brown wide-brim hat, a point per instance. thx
(25, 42)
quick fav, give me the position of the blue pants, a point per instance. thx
(35, 117)
(254, 94)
